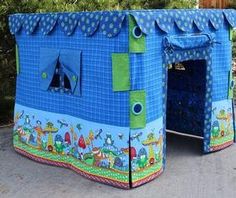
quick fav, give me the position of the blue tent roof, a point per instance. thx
(110, 22)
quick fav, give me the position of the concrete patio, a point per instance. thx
(188, 174)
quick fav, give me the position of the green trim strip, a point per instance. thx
(231, 34)
(137, 121)
(17, 61)
(136, 45)
(120, 72)
(230, 85)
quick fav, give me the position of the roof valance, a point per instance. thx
(110, 22)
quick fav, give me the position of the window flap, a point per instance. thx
(47, 65)
(70, 61)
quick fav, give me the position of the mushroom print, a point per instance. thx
(81, 144)
(150, 142)
(132, 151)
(222, 117)
(67, 138)
(38, 129)
(50, 129)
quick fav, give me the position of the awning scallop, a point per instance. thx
(30, 23)
(230, 16)
(48, 22)
(145, 20)
(110, 22)
(216, 18)
(68, 22)
(89, 22)
(15, 23)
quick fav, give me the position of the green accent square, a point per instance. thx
(230, 89)
(138, 121)
(120, 72)
(17, 61)
(136, 45)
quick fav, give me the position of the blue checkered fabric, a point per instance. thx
(107, 35)
(98, 102)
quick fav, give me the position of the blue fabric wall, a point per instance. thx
(98, 102)
(221, 63)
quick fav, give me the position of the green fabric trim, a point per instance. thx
(231, 34)
(120, 72)
(138, 121)
(136, 45)
(230, 89)
(17, 61)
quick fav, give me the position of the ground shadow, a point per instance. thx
(182, 145)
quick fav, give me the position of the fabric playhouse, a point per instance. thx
(97, 90)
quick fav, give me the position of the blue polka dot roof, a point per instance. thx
(110, 22)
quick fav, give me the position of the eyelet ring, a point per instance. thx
(137, 32)
(137, 108)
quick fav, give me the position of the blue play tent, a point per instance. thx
(97, 90)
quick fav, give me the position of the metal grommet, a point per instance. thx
(137, 108)
(137, 32)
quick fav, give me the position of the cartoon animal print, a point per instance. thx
(142, 158)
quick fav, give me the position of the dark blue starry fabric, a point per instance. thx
(231, 17)
(30, 22)
(89, 22)
(68, 22)
(15, 23)
(47, 23)
(110, 22)
(185, 20)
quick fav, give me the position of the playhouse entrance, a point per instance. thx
(186, 91)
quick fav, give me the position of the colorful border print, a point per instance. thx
(97, 151)
(222, 126)
(146, 152)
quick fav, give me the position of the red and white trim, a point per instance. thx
(222, 146)
(147, 179)
(124, 185)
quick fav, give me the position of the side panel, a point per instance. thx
(146, 152)
(222, 130)
(222, 121)
(97, 151)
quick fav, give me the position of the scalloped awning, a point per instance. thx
(110, 22)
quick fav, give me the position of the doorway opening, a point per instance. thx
(186, 93)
